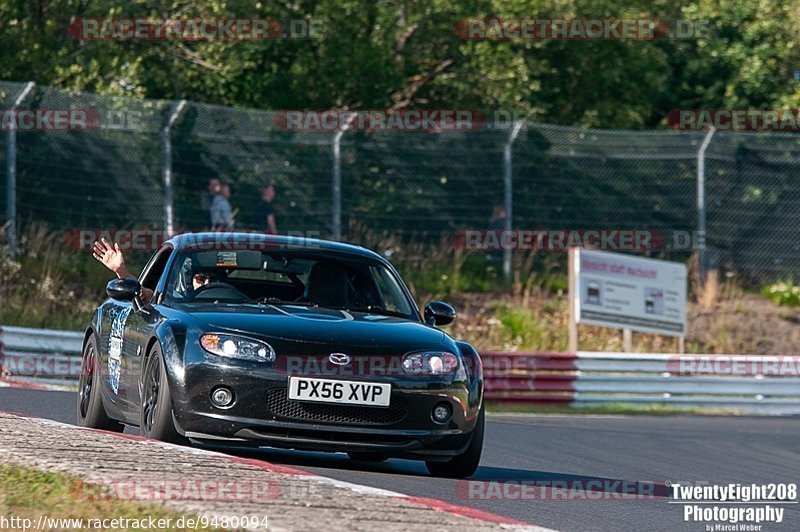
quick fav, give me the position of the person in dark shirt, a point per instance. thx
(264, 214)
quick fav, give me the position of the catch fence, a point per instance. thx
(147, 163)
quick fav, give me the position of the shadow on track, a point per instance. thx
(564, 482)
(556, 485)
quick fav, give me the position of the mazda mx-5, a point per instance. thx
(266, 341)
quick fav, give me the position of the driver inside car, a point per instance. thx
(202, 278)
(112, 258)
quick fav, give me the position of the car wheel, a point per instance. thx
(368, 457)
(156, 408)
(465, 464)
(91, 412)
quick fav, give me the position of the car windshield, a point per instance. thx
(281, 278)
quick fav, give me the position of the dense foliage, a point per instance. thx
(378, 54)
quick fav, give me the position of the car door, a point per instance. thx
(138, 327)
(111, 325)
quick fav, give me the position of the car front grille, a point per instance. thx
(279, 404)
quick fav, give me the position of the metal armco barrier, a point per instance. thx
(40, 353)
(746, 383)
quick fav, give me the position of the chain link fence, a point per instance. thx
(148, 163)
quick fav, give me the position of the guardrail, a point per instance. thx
(42, 354)
(747, 383)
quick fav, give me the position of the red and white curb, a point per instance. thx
(478, 518)
(37, 384)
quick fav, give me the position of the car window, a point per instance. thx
(275, 277)
(393, 297)
(252, 276)
(155, 268)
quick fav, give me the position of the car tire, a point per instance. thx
(90, 410)
(155, 420)
(368, 457)
(466, 463)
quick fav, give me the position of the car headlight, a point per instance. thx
(430, 363)
(228, 345)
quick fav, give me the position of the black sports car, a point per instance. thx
(256, 340)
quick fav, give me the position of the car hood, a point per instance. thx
(318, 325)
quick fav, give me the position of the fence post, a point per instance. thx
(573, 256)
(336, 192)
(701, 205)
(166, 170)
(508, 193)
(11, 174)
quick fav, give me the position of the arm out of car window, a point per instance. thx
(112, 258)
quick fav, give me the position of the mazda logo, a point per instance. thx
(340, 359)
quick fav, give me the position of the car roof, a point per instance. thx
(260, 241)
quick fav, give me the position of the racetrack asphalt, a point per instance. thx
(563, 452)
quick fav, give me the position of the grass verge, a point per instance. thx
(28, 493)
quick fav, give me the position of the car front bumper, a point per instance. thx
(262, 414)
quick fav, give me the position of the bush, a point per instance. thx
(783, 293)
(528, 329)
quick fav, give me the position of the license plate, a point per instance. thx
(343, 392)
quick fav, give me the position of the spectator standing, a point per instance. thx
(212, 189)
(221, 211)
(498, 220)
(264, 214)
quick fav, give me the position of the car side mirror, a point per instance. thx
(439, 313)
(126, 289)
